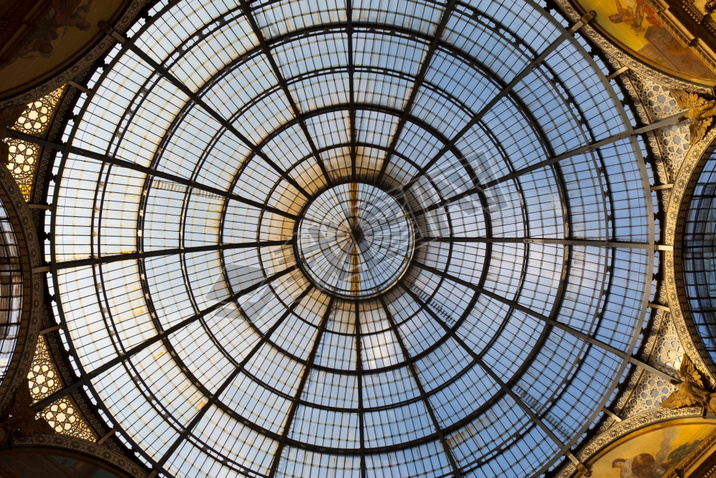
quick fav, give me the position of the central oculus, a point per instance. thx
(354, 240)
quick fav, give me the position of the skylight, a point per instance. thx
(479, 303)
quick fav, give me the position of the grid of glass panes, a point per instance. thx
(354, 240)
(11, 291)
(214, 144)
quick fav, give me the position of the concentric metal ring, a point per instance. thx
(244, 342)
(355, 241)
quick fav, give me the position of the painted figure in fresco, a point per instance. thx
(662, 47)
(643, 465)
(643, 10)
(634, 17)
(63, 14)
(623, 15)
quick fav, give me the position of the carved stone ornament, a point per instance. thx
(620, 58)
(652, 103)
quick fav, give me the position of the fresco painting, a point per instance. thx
(633, 24)
(652, 451)
(66, 28)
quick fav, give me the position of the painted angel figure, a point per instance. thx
(700, 112)
(691, 390)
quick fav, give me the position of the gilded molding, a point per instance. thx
(682, 36)
(691, 10)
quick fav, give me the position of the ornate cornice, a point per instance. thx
(689, 24)
(682, 33)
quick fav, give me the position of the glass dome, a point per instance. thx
(699, 256)
(295, 238)
(11, 290)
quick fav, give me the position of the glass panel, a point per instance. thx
(338, 249)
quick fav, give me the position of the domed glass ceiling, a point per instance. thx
(699, 256)
(11, 291)
(376, 238)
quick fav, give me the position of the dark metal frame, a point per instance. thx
(405, 116)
